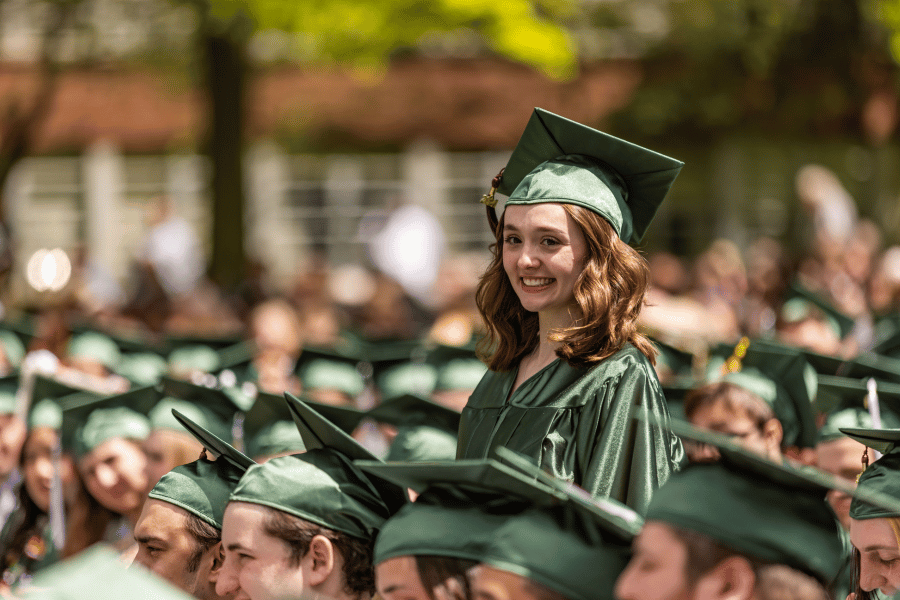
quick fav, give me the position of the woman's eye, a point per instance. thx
(549, 242)
(511, 239)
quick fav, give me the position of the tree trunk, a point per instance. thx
(225, 73)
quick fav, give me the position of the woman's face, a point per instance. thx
(37, 463)
(543, 254)
(115, 475)
(879, 555)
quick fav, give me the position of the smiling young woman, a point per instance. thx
(560, 300)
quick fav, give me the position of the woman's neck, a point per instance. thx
(547, 323)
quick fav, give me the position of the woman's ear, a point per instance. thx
(731, 579)
(320, 560)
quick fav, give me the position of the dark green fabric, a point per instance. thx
(408, 378)
(775, 512)
(549, 531)
(201, 488)
(843, 392)
(279, 437)
(90, 421)
(885, 441)
(161, 417)
(857, 418)
(269, 429)
(454, 528)
(460, 505)
(411, 409)
(559, 160)
(881, 476)
(420, 443)
(775, 520)
(578, 425)
(215, 446)
(321, 486)
(545, 546)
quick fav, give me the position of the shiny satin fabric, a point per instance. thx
(578, 425)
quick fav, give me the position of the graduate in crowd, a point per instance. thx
(106, 436)
(560, 301)
(875, 530)
(56, 517)
(12, 436)
(179, 532)
(305, 524)
(762, 395)
(482, 529)
(741, 528)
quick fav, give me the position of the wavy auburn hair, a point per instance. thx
(609, 292)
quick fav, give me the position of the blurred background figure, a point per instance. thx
(172, 248)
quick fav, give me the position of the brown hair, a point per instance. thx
(359, 573)
(734, 397)
(448, 574)
(205, 537)
(773, 581)
(609, 293)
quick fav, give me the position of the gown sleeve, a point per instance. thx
(622, 457)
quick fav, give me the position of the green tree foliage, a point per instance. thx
(796, 67)
(359, 33)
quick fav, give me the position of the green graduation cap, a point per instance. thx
(490, 512)
(95, 346)
(846, 403)
(460, 506)
(142, 368)
(210, 407)
(880, 477)
(322, 485)
(769, 511)
(203, 487)
(195, 357)
(781, 377)
(558, 160)
(412, 409)
(421, 443)
(799, 300)
(269, 429)
(98, 574)
(407, 378)
(426, 431)
(88, 422)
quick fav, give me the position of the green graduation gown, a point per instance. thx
(577, 424)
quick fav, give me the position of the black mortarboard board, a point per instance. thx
(87, 421)
(215, 446)
(319, 432)
(269, 428)
(409, 409)
(621, 181)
